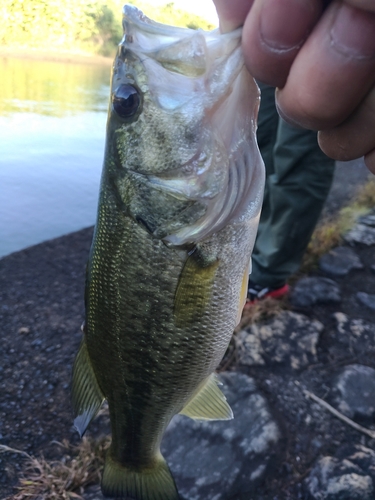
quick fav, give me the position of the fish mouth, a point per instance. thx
(133, 16)
(181, 50)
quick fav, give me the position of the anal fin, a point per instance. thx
(243, 292)
(208, 402)
(87, 397)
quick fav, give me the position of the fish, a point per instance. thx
(167, 273)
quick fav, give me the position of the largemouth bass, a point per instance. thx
(180, 197)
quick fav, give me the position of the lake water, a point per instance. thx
(52, 131)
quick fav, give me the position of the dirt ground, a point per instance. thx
(41, 311)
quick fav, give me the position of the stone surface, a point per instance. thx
(340, 261)
(361, 456)
(310, 291)
(356, 387)
(349, 475)
(367, 299)
(288, 339)
(357, 335)
(217, 460)
(333, 479)
(361, 233)
(368, 219)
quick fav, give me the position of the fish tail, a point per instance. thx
(152, 483)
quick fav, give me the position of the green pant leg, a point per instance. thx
(298, 181)
(268, 122)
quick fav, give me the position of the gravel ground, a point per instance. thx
(41, 311)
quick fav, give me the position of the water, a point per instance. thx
(52, 131)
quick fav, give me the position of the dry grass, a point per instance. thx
(328, 234)
(64, 479)
(262, 310)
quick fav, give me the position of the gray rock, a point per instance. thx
(356, 387)
(361, 233)
(368, 219)
(339, 261)
(309, 291)
(217, 460)
(366, 299)
(362, 457)
(356, 334)
(289, 339)
(332, 479)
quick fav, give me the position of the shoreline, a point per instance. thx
(54, 56)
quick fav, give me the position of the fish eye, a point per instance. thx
(126, 100)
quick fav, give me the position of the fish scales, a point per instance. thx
(167, 271)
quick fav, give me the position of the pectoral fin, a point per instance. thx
(208, 403)
(194, 290)
(87, 397)
(243, 292)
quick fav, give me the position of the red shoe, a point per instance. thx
(258, 292)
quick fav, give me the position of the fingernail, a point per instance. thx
(277, 17)
(353, 32)
(284, 116)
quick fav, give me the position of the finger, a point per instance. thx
(333, 71)
(370, 161)
(273, 33)
(353, 138)
(232, 13)
(362, 4)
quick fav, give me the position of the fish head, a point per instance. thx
(182, 112)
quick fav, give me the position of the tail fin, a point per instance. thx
(153, 483)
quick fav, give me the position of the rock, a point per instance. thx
(332, 479)
(373, 268)
(361, 233)
(362, 457)
(310, 291)
(368, 219)
(217, 460)
(356, 334)
(366, 299)
(356, 386)
(339, 261)
(289, 338)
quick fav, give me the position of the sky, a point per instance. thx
(204, 8)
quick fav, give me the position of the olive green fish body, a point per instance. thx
(180, 198)
(149, 363)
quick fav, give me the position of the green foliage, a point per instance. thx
(169, 14)
(77, 25)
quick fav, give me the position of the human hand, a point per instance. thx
(321, 60)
